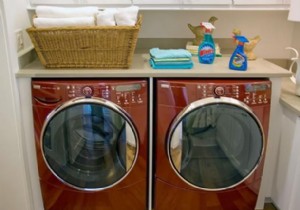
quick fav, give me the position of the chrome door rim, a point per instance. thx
(209, 101)
(93, 100)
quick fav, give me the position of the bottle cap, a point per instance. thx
(208, 26)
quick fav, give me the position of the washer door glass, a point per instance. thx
(215, 143)
(89, 144)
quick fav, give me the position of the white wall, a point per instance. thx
(276, 32)
(296, 36)
(14, 190)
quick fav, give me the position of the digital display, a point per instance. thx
(254, 88)
(124, 88)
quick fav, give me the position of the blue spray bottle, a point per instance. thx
(238, 60)
(206, 50)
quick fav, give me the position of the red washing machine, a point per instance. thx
(210, 143)
(92, 143)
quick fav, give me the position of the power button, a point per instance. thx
(87, 91)
(219, 91)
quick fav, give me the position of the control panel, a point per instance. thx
(249, 93)
(120, 94)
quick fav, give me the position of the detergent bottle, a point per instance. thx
(238, 60)
(296, 76)
(206, 50)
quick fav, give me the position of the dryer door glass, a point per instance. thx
(89, 145)
(215, 146)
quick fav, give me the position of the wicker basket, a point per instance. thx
(86, 47)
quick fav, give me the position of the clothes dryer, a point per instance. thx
(91, 142)
(210, 143)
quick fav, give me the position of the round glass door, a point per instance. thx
(89, 143)
(215, 143)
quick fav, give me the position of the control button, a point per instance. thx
(219, 91)
(87, 91)
(71, 95)
(246, 101)
(260, 99)
(118, 99)
(105, 93)
(140, 100)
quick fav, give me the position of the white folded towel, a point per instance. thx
(63, 22)
(127, 16)
(65, 12)
(106, 17)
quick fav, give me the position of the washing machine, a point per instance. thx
(211, 138)
(91, 142)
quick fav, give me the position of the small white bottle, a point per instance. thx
(296, 77)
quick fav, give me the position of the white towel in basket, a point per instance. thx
(65, 12)
(107, 17)
(63, 22)
(127, 16)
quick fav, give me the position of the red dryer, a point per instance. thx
(91, 142)
(211, 136)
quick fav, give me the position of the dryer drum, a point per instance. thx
(215, 143)
(86, 143)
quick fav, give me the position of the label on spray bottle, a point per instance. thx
(207, 53)
(238, 60)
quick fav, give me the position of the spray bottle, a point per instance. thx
(206, 50)
(238, 60)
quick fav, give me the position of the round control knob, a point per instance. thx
(219, 91)
(87, 91)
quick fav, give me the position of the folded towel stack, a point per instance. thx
(126, 16)
(65, 12)
(63, 22)
(170, 59)
(106, 17)
(51, 16)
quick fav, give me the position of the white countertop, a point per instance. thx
(288, 97)
(259, 68)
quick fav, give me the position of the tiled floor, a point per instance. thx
(269, 206)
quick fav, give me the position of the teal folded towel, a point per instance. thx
(170, 59)
(170, 65)
(170, 53)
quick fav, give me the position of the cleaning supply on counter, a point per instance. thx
(206, 50)
(238, 60)
(296, 76)
(170, 59)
